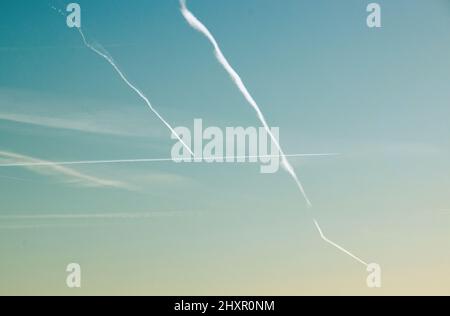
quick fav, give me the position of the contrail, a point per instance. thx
(146, 160)
(129, 84)
(199, 26)
(337, 246)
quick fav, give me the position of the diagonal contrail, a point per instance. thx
(199, 26)
(129, 84)
(336, 245)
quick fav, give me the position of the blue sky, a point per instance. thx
(378, 97)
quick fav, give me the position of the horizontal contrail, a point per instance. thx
(199, 26)
(148, 160)
(129, 84)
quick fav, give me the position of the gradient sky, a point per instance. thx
(379, 97)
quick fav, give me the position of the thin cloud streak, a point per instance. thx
(99, 219)
(85, 125)
(84, 115)
(94, 216)
(69, 175)
(149, 160)
(16, 178)
(43, 47)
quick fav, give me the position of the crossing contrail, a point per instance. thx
(136, 90)
(144, 160)
(199, 26)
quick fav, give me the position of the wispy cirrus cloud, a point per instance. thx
(80, 115)
(82, 220)
(66, 174)
(21, 48)
(74, 216)
(82, 125)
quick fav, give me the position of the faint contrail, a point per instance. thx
(145, 160)
(129, 84)
(199, 26)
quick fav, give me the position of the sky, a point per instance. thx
(379, 97)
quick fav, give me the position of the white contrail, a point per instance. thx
(337, 246)
(199, 26)
(146, 160)
(129, 84)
